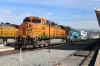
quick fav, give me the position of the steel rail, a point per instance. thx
(83, 63)
(75, 53)
(85, 47)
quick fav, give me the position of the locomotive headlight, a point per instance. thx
(30, 25)
(28, 34)
(18, 34)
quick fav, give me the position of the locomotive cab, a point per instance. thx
(29, 29)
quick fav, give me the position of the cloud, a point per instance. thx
(78, 16)
(7, 12)
(49, 13)
(41, 8)
(95, 0)
(26, 15)
(84, 16)
(59, 3)
(1, 10)
(85, 24)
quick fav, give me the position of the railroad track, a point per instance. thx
(28, 49)
(81, 57)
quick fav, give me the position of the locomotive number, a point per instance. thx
(43, 28)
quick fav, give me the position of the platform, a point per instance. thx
(5, 48)
(97, 63)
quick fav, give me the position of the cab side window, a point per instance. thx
(43, 22)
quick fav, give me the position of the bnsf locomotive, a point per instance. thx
(8, 30)
(35, 31)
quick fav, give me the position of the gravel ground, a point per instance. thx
(35, 58)
(41, 57)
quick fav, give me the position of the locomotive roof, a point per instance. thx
(8, 24)
(62, 26)
(33, 17)
(72, 28)
(15, 25)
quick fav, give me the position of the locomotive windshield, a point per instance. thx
(36, 21)
(27, 20)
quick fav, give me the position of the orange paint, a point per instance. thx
(37, 26)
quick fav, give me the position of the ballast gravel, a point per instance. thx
(35, 58)
(41, 57)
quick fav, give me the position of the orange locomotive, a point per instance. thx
(35, 31)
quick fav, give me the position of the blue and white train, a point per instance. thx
(85, 35)
(72, 34)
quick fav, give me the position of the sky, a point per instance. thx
(73, 13)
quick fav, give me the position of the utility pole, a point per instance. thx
(49, 37)
(1, 33)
